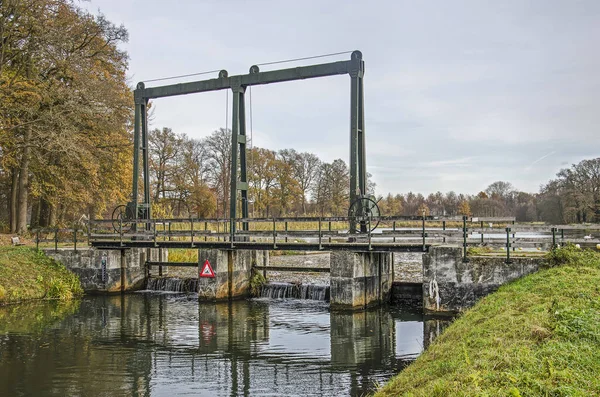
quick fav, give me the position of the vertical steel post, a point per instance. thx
(508, 245)
(121, 231)
(37, 239)
(146, 165)
(56, 239)
(238, 150)
(137, 128)
(465, 259)
(286, 231)
(75, 239)
(358, 173)
(553, 237)
(394, 230)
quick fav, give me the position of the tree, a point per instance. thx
(423, 210)
(64, 111)
(218, 146)
(164, 146)
(464, 208)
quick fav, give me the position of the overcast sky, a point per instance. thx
(458, 94)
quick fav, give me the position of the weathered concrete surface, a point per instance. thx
(232, 268)
(125, 270)
(360, 279)
(451, 285)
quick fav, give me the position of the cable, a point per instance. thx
(305, 58)
(182, 76)
(258, 64)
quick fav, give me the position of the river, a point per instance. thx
(159, 344)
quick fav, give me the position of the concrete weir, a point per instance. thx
(360, 279)
(452, 285)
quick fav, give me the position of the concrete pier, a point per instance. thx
(233, 270)
(360, 279)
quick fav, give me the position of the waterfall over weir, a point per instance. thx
(172, 284)
(295, 291)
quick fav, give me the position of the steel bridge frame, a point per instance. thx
(354, 67)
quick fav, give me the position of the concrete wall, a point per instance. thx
(125, 270)
(233, 270)
(360, 279)
(451, 285)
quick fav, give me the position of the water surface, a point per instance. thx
(150, 344)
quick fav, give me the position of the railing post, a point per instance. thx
(286, 231)
(274, 235)
(56, 239)
(369, 235)
(169, 231)
(320, 246)
(89, 231)
(423, 231)
(465, 259)
(75, 239)
(192, 230)
(154, 234)
(553, 237)
(205, 231)
(121, 231)
(231, 231)
(562, 236)
(394, 230)
(508, 245)
(329, 231)
(37, 239)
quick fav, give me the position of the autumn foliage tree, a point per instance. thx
(65, 109)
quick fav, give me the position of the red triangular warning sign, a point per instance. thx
(207, 270)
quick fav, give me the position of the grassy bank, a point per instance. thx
(27, 274)
(538, 336)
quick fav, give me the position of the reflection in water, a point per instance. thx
(166, 345)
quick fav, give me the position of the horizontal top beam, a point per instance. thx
(355, 66)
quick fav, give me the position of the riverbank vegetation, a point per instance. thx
(26, 274)
(537, 336)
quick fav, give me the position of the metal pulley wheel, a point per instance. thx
(362, 211)
(121, 217)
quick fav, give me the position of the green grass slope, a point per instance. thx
(537, 336)
(27, 274)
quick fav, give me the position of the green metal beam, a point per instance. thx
(221, 83)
